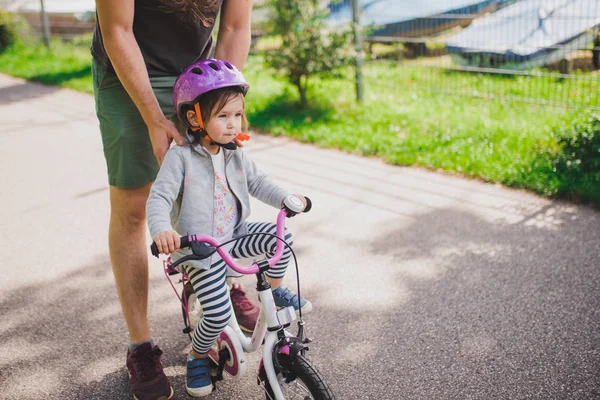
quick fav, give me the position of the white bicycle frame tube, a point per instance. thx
(267, 319)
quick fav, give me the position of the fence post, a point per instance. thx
(45, 25)
(358, 46)
(596, 52)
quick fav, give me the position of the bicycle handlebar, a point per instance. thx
(204, 246)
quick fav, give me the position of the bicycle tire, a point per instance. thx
(311, 382)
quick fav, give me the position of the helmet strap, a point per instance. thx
(199, 116)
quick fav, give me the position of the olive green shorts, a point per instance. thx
(130, 161)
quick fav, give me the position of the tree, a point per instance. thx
(12, 27)
(310, 46)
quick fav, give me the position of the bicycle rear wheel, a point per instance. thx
(299, 380)
(194, 310)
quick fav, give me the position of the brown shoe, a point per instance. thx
(246, 312)
(146, 376)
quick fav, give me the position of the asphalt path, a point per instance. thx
(424, 285)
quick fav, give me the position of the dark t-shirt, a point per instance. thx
(172, 34)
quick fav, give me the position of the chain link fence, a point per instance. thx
(536, 51)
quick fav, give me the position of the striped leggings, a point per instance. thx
(211, 287)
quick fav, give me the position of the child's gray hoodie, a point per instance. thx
(182, 195)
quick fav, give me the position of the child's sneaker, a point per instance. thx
(246, 312)
(284, 297)
(198, 382)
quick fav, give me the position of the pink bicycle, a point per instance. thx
(284, 371)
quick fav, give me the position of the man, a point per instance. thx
(139, 49)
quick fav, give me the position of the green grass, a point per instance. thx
(513, 143)
(65, 64)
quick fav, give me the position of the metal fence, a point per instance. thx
(537, 51)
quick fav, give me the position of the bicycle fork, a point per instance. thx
(275, 336)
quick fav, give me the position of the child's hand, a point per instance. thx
(295, 204)
(240, 138)
(303, 200)
(167, 242)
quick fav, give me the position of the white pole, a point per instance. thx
(358, 45)
(45, 25)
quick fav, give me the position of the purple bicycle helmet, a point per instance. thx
(204, 76)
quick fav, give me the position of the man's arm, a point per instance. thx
(233, 40)
(116, 24)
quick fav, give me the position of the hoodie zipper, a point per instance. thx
(228, 158)
(212, 167)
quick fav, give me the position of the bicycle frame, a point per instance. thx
(268, 318)
(271, 322)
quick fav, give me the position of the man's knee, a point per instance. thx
(128, 205)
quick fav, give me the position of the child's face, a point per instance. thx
(225, 124)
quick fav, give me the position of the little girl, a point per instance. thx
(204, 187)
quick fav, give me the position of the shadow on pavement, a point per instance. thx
(24, 91)
(58, 78)
(66, 338)
(476, 316)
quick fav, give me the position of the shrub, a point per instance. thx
(12, 26)
(577, 164)
(309, 45)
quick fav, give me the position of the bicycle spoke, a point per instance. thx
(296, 388)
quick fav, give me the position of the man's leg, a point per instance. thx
(129, 259)
(131, 166)
(129, 256)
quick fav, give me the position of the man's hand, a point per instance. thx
(167, 242)
(162, 132)
(116, 22)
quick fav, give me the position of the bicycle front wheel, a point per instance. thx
(300, 380)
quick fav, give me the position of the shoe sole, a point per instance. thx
(161, 397)
(200, 392)
(306, 308)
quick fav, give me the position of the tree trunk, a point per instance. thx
(302, 91)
